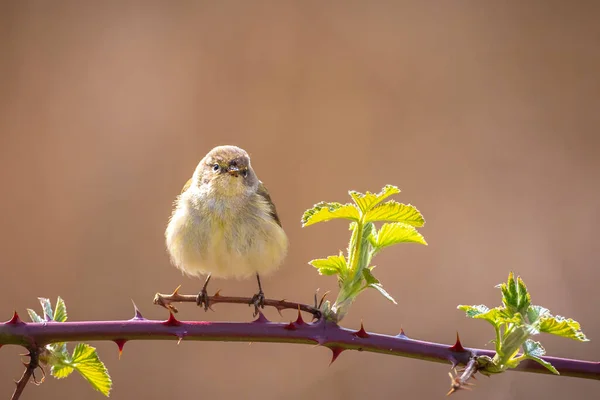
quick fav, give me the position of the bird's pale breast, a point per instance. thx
(226, 240)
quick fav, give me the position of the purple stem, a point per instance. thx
(321, 332)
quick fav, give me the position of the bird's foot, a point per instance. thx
(258, 300)
(202, 299)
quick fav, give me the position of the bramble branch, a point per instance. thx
(30, 367)
(321, 332)
(166, 300)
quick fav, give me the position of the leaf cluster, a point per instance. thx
(84, 358)
(515, 322)
(353, 269)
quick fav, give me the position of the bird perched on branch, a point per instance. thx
(224, 223)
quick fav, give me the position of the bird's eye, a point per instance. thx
(245, 173)
(216, 167)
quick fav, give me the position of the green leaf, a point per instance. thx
(33, 316)
(61, 371)
(368, 200)
(47, 307)
(535, 350)
(368, 275)
(59, 349)
(392, 211)
(323, 211)
(85, 360)
(473, 311)
(481, 312)
(62, 364)
(536, 312)
(495, 316)
(380, 289)
(514, 294)
(396, 232)
(331, 265)
(60, 314)
(560, 326)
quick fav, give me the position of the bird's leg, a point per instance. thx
(202, 297)
(259, 298)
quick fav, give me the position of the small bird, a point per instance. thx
(224, 223)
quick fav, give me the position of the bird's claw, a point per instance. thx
(202, 299)
(258, 300)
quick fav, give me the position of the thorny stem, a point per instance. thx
(27, 374)
(462, 381)
(321, 332)
(165, 301)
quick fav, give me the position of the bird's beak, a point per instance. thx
(233, 171)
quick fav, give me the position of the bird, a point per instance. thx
(225, 225)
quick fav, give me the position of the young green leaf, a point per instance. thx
(85, 360)
(392, 211)
(495, 316)
(368, 200)
(47, 307)
(60, 312)
(534, 313)
(514, 294)
(33, 315)
(560, 326)
(474, 311)
(396, 232)
(331, 265)
(59, 350)
(323, 211)
(368, 275)
(535, 351)
(61, 366)
(379, 288)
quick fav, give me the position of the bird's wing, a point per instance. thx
(187, 185)
(264, 193)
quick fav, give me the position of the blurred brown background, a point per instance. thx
(485, 114)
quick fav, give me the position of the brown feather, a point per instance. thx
(264, 193)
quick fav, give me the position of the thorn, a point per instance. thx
(323, 299)
(279, 311)
(137, 315)
(172, 321)
(290, 327)
(261, 318)
(457, 346)
(402, 334)
(361, 333)
(218, 293)
(120, 343)
(299, 320)
(176, 291)
(454, 363)
(15, 320)
(35, 380)
(179, 339)
(336, 352)
(457, 383)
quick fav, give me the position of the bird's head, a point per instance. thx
(226, 171)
